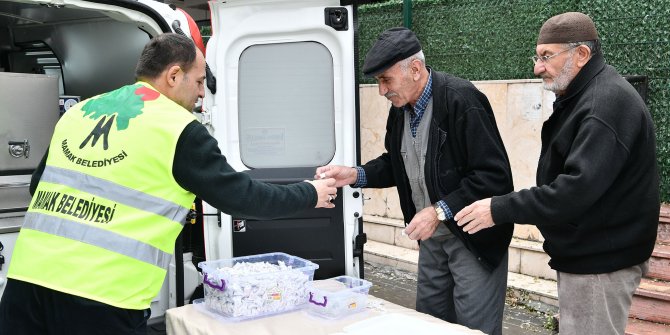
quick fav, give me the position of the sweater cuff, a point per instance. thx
(315, 194)
(500, 209)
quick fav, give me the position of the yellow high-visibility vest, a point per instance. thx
(104, 218)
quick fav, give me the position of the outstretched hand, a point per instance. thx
(326, 192)
(344, 175)
(475, 217)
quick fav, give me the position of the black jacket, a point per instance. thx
(597, 200)
(465, 161)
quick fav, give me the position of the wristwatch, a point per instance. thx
(440, 212)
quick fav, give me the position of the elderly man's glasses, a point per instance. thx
(544, 59)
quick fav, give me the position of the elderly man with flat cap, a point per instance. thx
(597, 196)
(443, 151)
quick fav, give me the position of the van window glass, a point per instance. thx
(286, 105)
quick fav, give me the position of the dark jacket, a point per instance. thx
(465, 161)
(597, 200)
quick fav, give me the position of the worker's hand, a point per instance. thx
(344, 175)
(326, 192)
(423, 224)
(475, 217)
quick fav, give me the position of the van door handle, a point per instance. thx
(18, 149)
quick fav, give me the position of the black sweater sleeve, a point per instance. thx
(379, 171)
(200, 168)
(591, 167)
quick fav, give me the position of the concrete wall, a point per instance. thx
(520, 108)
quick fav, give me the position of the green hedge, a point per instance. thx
(489, 40)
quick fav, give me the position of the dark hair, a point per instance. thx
(163, 51)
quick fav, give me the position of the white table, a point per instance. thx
(192, 320)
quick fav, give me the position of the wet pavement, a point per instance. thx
(399, 287)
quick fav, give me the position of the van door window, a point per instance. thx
(285, 125)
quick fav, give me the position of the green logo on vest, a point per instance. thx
(121, 105)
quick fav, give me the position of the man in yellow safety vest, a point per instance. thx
(112, 194)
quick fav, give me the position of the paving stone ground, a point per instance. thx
(399, 287)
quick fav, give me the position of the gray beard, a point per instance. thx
(563, 79)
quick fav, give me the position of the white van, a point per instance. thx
(281, 99)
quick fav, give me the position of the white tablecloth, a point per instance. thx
(380, 318)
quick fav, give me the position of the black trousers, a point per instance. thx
(31, 309)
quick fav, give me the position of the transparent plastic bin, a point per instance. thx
(338, 297)
(237, 296)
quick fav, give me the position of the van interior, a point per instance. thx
(71, 44)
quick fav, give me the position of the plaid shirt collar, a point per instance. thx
(420, 107)
(422, 103)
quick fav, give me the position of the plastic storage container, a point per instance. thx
(337, 297)
(255, 286)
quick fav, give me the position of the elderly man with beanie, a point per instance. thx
(443, 151)
(597, 196)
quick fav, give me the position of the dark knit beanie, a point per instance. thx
(567, 28)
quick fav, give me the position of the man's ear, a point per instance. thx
(172, 74)
(583, 55)
(415, 69)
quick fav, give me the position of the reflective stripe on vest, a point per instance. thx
(98, 237)
(115, 192)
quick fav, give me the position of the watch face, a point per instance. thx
(440, 213)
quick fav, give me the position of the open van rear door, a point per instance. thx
(286, 102)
